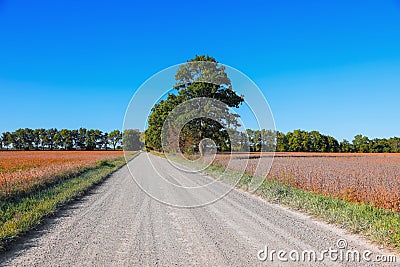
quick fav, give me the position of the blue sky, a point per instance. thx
(331, 66)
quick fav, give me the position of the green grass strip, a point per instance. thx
(19, 216)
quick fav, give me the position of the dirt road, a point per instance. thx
(118, 224)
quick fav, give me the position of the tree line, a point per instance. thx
(251, 140)
(314, 141)
(65, 139)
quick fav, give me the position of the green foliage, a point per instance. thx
(115, 138)
(296, 141)
(156, 120)
(314, 141)
(361, 143)
(346, 147)
(303, 141)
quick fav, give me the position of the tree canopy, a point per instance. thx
(200, 78)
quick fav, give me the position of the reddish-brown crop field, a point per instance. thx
(363, 178)
(20, 171)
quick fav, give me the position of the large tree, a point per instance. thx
(200, 78)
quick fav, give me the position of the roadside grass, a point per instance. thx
(377, 224)
(19, 215)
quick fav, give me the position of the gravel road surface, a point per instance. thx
(118, 224)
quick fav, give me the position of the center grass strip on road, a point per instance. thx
(377, 224)
(18, 217)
